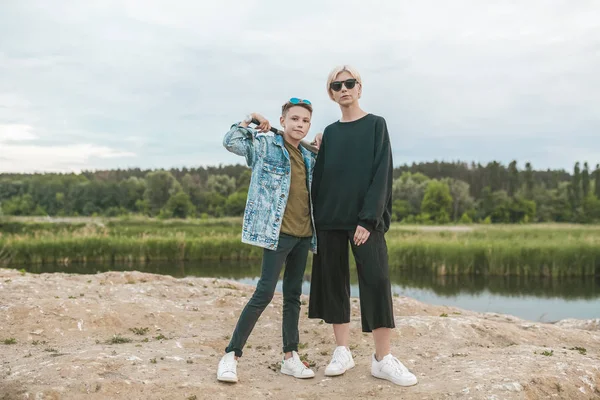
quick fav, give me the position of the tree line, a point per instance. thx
(430, 192)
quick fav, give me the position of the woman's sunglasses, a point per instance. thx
(336, 86)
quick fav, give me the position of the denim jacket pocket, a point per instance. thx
(274, 175)
(273, 168)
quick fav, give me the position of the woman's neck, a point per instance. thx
(352, 113)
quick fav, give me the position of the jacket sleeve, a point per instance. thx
(243, 142)
(380, 190)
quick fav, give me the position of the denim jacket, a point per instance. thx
(269, 187)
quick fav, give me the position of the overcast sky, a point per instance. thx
(156, 84)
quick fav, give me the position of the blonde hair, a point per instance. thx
(338, 70)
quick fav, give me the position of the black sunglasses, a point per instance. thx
(336, 86)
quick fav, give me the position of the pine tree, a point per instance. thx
(576, 186)
(529, 178)
(513, 178)
(585, 180)
(597, 180)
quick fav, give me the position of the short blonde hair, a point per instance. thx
(338, 70)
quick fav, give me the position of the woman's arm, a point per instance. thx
(380, 189)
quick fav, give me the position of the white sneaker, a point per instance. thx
(227, 371)
(295, 367)
(341, 362)
(391, 369)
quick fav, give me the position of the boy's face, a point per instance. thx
(296, 122)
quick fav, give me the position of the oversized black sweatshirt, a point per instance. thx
(353, 175)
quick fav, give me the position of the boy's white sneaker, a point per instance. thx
(341, 361)
(295, 367)
(391, 369)
(227, 371)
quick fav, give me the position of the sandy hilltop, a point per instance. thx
(131, 335)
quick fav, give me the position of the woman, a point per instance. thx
(352, 199)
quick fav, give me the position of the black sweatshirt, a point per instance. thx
(353, 174)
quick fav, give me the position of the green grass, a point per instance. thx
(118, 339)
(551, 250)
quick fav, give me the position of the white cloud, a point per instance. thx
(16, 133)
(71, 158)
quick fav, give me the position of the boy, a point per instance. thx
(279, 218)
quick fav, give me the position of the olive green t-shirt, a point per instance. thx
(296, 218)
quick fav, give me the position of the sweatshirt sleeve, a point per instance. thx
(380, 190)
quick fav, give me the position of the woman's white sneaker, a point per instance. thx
(227, 371)
(391, 369)
(341, 361)
(295, 367)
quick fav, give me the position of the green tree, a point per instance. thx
(22, 206)
(400, 210)
(410, 188)
(597, 181)
(522, 210)
(461, 199)
(513, 178)
(222, 184)
(179, 205)
(562, 203)
(465, 219)
(591, 208)
(529, 182)
(576, 186)
(585, 180)
(236, 203)
(437, 201)
(160, 186)
(131, 190)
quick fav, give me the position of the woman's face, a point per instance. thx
(345, 96)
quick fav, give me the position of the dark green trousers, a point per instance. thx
(293, 251)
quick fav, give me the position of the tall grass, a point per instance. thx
(525, 250)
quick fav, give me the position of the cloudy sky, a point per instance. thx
(156, 84)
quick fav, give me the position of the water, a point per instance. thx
(535, 299)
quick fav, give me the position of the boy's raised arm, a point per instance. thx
(241, 139)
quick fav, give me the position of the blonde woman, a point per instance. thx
(352, 199)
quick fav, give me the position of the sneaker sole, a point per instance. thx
(298, 377)
(340, 373)
(389, 380)
(228, 380)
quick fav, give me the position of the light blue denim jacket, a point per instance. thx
(269, 187)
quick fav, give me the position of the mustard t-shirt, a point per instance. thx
(296, 218)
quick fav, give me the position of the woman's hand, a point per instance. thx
(361, 235)
(317, 140)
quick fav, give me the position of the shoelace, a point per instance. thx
(298, 362)
(228, 366)
(339, 357)
(398, 367)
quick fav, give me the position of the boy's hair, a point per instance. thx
(288, 104)
(338, 70)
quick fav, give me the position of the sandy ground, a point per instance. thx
(63, 324)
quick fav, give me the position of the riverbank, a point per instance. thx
(550, 250)
(130, 335)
